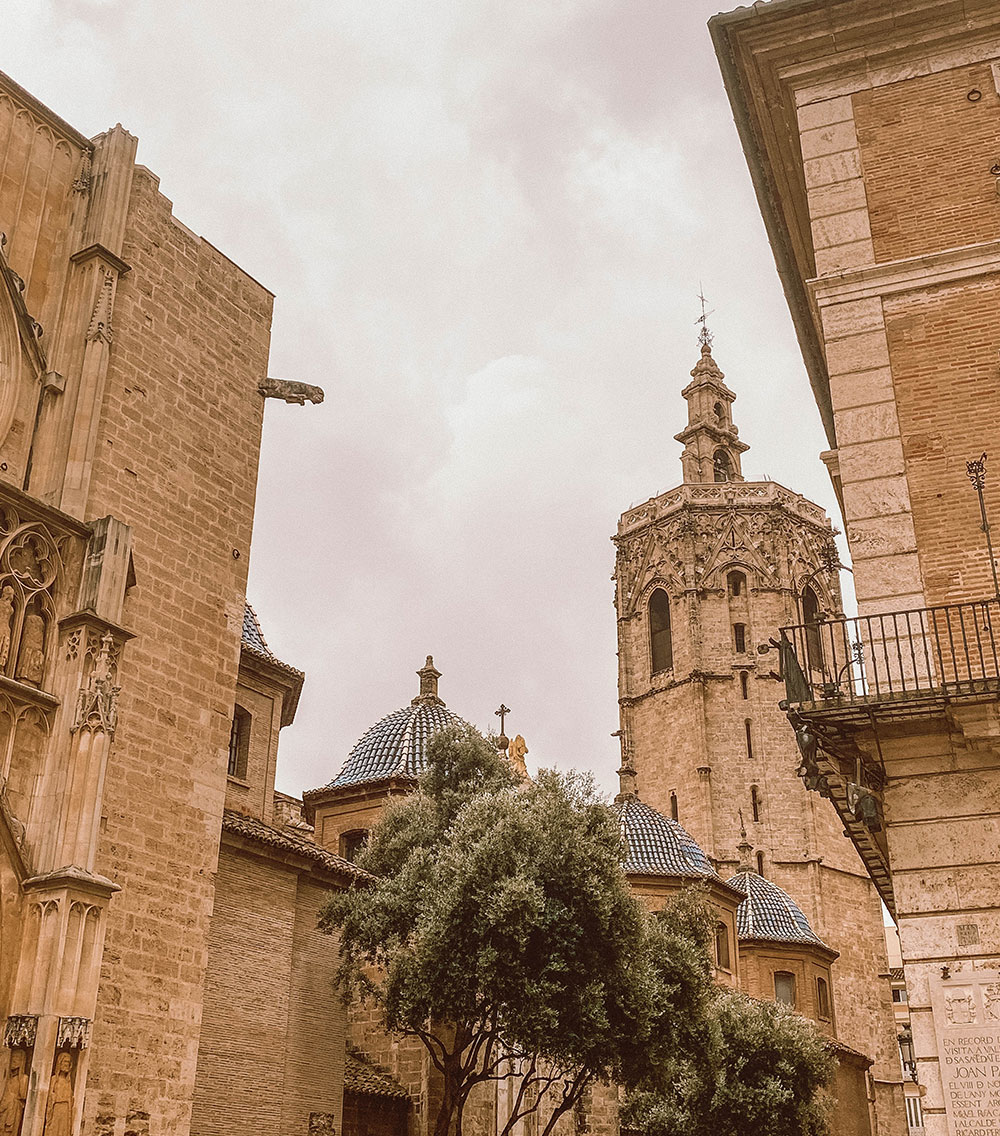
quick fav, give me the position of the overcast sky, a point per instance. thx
(486, 225)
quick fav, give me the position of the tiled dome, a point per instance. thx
(769, 913)
(397, 745)
(657, 846)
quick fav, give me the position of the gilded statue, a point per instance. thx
(59, 1103)
(31, 656)
(6, 622)
(517, 753)
(15, 1092)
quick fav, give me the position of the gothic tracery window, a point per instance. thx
(660, 643)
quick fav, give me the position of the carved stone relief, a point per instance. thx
(97, 700)
(59, 1101)
(15, 1093)
(19, 1031)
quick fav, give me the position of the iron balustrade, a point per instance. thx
(944, 651)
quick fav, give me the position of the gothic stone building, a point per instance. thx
(705, 575)
(138, 823)
(872, 134)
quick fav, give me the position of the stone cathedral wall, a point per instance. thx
(176, 459)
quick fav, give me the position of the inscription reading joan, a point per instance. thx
(968, 1027)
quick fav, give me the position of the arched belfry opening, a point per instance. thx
(723, 466)
(661, 648)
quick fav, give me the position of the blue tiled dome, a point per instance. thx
(769, 913)
(657, 846)
(396, 746)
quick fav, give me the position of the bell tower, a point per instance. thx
(705, 575)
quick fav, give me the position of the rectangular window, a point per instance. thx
(784, 988)
(740, 637)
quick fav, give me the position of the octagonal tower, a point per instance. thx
(705, 574)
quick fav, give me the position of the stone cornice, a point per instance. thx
(933, 269)
(722, 495)
(72, 879)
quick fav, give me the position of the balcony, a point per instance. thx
(855, 686)
(894, 665)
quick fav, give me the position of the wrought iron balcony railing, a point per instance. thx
(927, 654)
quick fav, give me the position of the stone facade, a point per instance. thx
(873, 136)
(132, 354)
(730, 562)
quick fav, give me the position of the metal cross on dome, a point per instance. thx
(501, 714)
(704, 336)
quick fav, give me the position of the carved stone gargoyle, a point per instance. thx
(289, 391)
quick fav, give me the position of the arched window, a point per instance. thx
(723, 466)
(720, 413)
(740, 638)
(722, 947)
(822, 998)
(760, 863)
(746, 728)
(744, 684)
(353, 843)
(239, 743)
(737, 583)
(810, 617)
(784, 988)
(755, 802)
(660, 645)
(673, 806)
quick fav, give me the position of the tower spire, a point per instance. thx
(744, 848)
(712, 447)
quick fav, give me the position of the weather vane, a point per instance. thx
(704, 336)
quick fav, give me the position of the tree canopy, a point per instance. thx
(500, 931)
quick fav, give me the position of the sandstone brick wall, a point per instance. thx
(943, 344)
(926, 152)
(242, 1058)
(272, 1041)
(176, 460)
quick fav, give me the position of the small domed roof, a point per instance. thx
(656, 845)
(770, 913)
(396, 746)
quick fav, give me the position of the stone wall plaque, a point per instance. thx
(967, 1023)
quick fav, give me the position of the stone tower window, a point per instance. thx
(822, 998)
(755, 802)
(353, 843)
(660, 645)
(744, 684)
(673, 806)
(723, 466)
(740, 637)
(720, 413)
(239, 744)
(737, 583)
(784, 988)
(747, 729)
(722, 947)
(760, 863)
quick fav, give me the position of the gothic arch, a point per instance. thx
(10, 360)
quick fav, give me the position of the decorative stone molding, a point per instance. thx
(97, 701)
(322, 1124)
(20, 1030)
(74, 1033)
